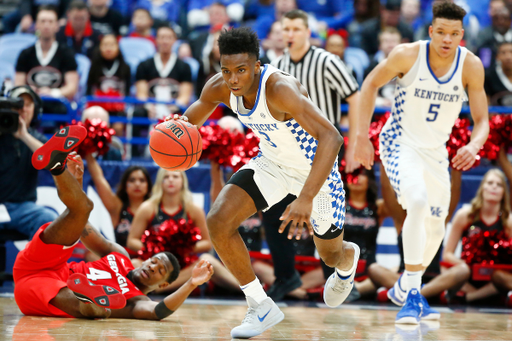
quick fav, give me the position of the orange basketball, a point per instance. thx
(175, 145)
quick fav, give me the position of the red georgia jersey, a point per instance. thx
(110, 270)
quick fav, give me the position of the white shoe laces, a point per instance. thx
(249, 316)
(340, 285)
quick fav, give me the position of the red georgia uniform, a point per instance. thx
(41, 271)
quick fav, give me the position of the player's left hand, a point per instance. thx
(465, 157)
(201, 273)
(298, 215)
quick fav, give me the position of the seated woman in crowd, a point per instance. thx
(172, 200)
(488, 211)
(133, 189)
(110, 77)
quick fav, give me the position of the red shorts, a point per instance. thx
(40, 271)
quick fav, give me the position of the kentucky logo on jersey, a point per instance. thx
(262, 127)
(435, 95)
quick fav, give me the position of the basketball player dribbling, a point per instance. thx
(429, 94)
(298, 151)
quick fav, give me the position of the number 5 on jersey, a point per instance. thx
(434, 110)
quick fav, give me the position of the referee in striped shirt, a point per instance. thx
(328, 82)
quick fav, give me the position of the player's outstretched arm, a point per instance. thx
(95, 242)
(214, 93)
(399, 62)
(473, 77)
(141, 307)
(286, 95)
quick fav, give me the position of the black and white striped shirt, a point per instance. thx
(325, 77)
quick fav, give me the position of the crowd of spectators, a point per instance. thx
(182, 55)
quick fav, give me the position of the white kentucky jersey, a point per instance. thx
(425, 106)
(285, 143)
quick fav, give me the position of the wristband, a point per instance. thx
(161, 310)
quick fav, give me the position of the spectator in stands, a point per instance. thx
(200, 12)
(171, 199)
(263, 24)
(209, 63)
(326, 14)
(22, 19)
(489, 38)
(498, 78)
(364, 10)
(201, 43)
(162, 11)
(48, 67)
(257, 8)
(78, 33)
(133, 189)
(389, 38)
(273, 45)
(116, 148)
(164, 77)
(410, 14)
(18, 177)
(106, 20)
(142, 23)
(489, 211)
(389, 16)
(109, 77)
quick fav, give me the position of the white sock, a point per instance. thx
(255, 291)
(413, 279)
(347, 273)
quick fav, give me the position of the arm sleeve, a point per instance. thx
(339, 77)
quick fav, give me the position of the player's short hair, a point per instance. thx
(79, 5)
(239, 41)
(297, 14)
(175, 267)
(448, 10)
(50, 8)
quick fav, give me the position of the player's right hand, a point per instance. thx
(201, 273)
(364, 153)
(176, 117)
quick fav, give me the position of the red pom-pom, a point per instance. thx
(219, 143)
(374, 132)
(245, 151)
(459, 137)
(178, 237)
(490, 247)
(98, 138)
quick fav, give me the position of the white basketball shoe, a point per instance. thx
(259, 317)
(337, 288)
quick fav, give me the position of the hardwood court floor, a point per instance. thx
(213, 319)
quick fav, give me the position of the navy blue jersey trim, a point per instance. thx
(257, 95)
(454, 71)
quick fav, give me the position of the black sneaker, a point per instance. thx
(282, 287)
